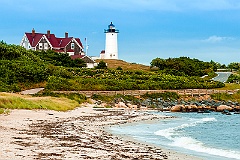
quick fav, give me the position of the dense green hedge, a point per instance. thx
(87, 79)
(19, 67)
(233, 78)
(60, 59)
(184, 66)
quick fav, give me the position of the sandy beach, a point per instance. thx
(77, 134)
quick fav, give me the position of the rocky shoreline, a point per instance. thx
(202, 104)
(77, 134)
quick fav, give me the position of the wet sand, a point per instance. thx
(77, 134)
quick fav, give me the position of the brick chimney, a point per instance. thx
(48, 33)
(33, 32)
(66, 34)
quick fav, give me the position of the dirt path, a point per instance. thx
(32, 91)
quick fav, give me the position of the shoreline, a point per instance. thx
(171, 154)
(77, 134)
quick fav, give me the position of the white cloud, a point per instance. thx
(215, 39)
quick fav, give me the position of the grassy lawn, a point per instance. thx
(230, 86)
(16, 101)
(227, 97)
(113, 64)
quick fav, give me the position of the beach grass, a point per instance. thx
(227, 97)
(1, 111)
(80, 98)
(16, 101)
(230, 86)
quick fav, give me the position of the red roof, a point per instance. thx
(79, 41)
(34, 40)
(70, 50)
(63, 41)
(55, 42)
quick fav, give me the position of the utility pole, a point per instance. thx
(86, 46)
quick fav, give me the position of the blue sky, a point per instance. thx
(202, 29)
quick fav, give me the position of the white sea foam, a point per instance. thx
(170, 133)
(192, 144)
(175, 135)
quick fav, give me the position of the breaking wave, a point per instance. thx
(178, 139)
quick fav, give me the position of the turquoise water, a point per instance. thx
(209, 136)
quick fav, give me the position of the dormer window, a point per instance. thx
(72, 45)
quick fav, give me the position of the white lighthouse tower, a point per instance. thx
(111, 46)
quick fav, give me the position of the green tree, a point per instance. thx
(158, 62)
(214, 65)
(234, 65)
(101, 65)
(183, 66)
(79, 63)
(119, 68)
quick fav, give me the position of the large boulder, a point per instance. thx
(103, 105)
(121, 105)
(237, 107)
(223, 107)
(177, 108)
(200, 107)
(208, 107)
(192, 108)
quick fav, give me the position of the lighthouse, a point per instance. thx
(111, 45)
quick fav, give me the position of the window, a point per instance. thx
(40, 46)
(45, 46)
(72, 45)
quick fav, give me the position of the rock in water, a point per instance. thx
(177, 108)
(223, 107)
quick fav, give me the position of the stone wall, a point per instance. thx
(187, 92)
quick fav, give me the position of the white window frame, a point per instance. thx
(72, 45)
(40, 46)
(46, 46)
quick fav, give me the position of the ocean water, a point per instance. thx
(210, 136)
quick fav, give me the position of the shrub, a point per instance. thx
(101, 65)
(119, 68)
